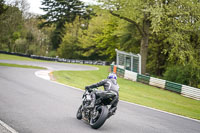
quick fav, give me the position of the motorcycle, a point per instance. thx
(96, 116)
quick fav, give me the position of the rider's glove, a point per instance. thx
(87, 87)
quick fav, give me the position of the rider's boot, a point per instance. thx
(112, 110)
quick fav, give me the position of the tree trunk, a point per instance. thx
(9, 46)
(144, 52)
(144, 43)
(144, 32)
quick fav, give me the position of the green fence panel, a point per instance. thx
(120, 72)
(143, 78)
(121, 59)
(175, 87)
(111, 68)
(128, 63)
(135, 64)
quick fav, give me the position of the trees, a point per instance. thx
(100, 40)
(11, 25)
(58, 12)
(34, 40)
(19, 31)
(172, 18)
(136, 12)
(2, 7)
(70, 46)
(187, 75)
(96, 40)
(107, 40)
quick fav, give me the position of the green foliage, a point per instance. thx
(176, 20)
(89, 35)
(69, 47)
(58, 13)
(2, 6)
(19, 33)
(129, 37)
(100, 40)
(52, 53)
(158, 59)
(21, 45)
(107, 41)
(10, 25)
(187, 75)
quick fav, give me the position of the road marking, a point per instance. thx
(44, 74)
(130, 102)
(10, 129)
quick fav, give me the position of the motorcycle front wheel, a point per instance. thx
(98, 120)
(79, 113)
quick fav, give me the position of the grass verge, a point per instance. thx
(14, 57)
(22, 66)
(134, 92)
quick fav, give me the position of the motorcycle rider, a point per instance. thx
(110, 86)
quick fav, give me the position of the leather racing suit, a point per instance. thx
(110, 85)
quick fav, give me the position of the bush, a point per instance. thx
(52, 53)
(187, 75)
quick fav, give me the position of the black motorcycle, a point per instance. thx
(96, 116)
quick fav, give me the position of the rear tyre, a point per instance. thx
(97, 121)
(79, 113)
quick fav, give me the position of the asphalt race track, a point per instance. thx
(30, 104)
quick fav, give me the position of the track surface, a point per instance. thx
(33, 105)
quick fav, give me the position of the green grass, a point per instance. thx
(14, 57)
(22, 66)
(134, 92)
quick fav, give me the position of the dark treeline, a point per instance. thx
(165, 32)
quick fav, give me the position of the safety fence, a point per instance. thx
(93, 62)
(184, 90)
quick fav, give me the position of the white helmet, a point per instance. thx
(112, 76)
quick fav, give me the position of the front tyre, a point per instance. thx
(79, 113)
(98, 120)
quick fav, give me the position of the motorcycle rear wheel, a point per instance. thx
(97, 121)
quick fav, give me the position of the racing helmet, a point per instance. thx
(112, 76)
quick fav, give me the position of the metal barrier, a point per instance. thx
(143, 78)
(184, 90)
(171, 86)
(92, 62)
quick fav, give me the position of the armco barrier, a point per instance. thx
(190, 92)
(12, 53)
(184, 90)
(175, 87)
(157, 82)
(130, 75)
(103, 63)
(143, 78)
